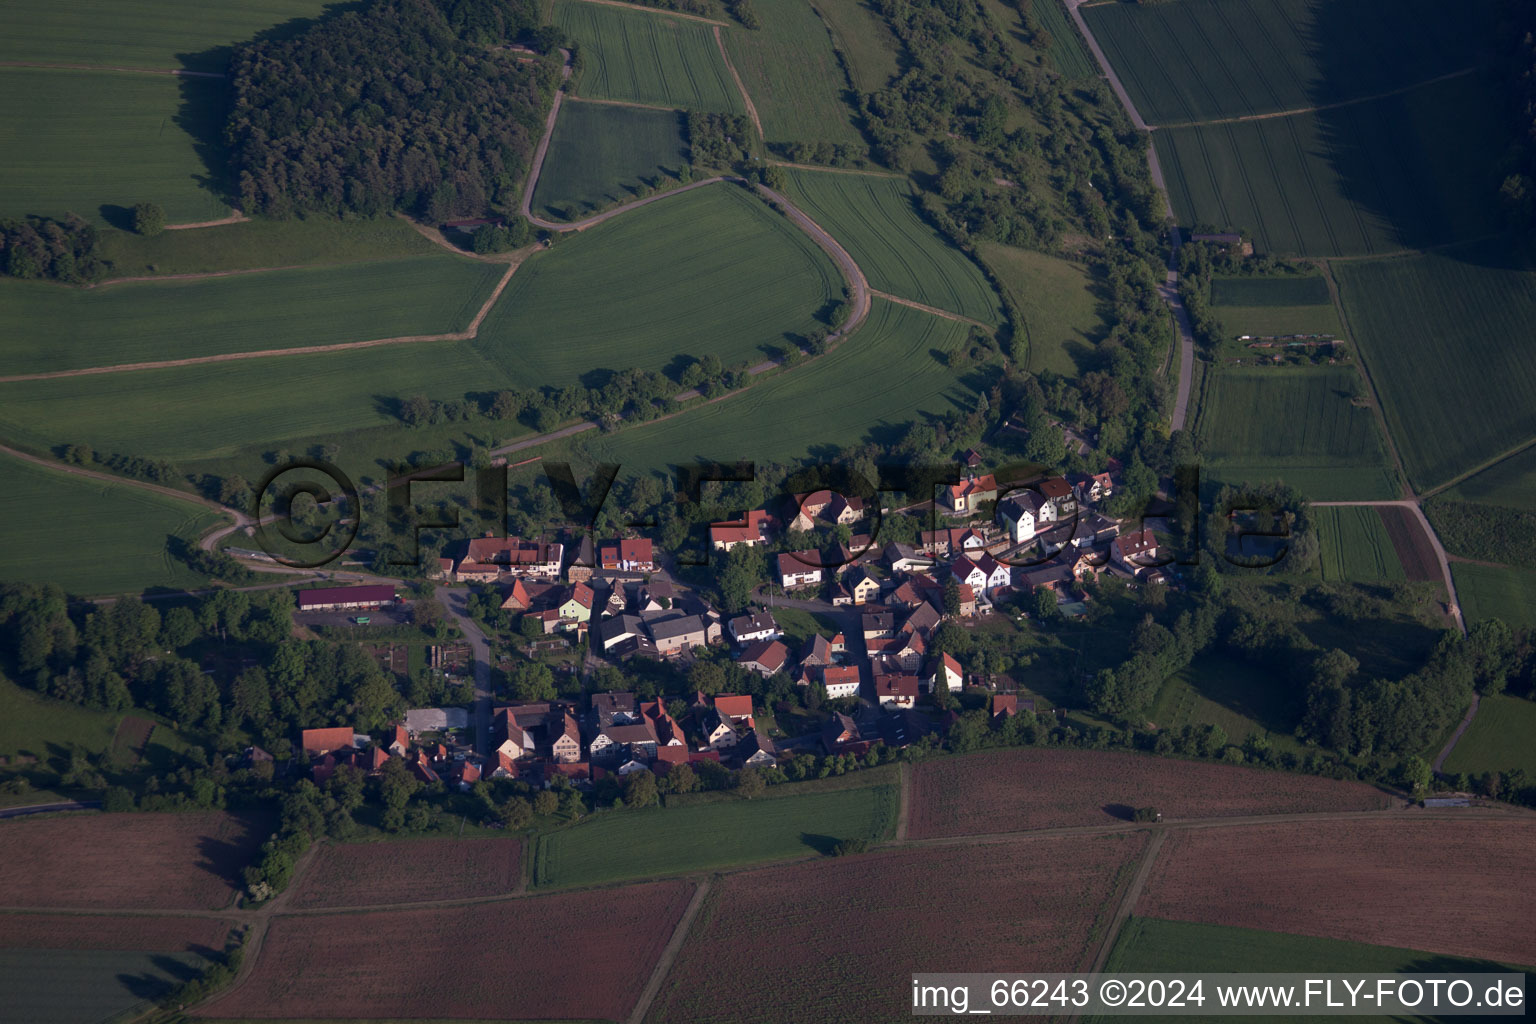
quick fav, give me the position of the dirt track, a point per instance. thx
(741, 86)
(174, 72)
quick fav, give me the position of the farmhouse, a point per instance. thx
(799, 569)
(629, 555)
(678, 633)
(326, 599)
(510, 556)
(615, 708)
(841, 680)
(753, 529)
(841, 735)
(435, 720)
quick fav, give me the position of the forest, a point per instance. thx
(41, 247)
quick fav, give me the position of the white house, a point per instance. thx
(948, 669)
(841, 680)
(799, 569)
(756, 626)
(1019, 514)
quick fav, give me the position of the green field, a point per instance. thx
(709, 836)
(1511, 482)
(601, 154)
(67, 986)
(1268, 306)
(35, 726)
(1502, 735)
(1303, 290)
(1062, 316)
(1067, 50)
(1149, 945)
(1495, 592)
(1199, 60)
(792, 75)
(877, 221)
(899, 380)
(868, 45)
(646, 58)
(1403, 171)
(1355, 547)
(85, 142)
(1239, 696)
(190, 34)
(1299, 426)
(1440, 333)
(48, 327)
(116, 537)
(261, 243)
(714, 270)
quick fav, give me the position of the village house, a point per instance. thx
(1093, 488)
(817, 653)
(943, 543)
(799, 569)
(753, 529)
(517, 597)
(1056, 575)
(510, 556)
(577, 604)
(614, 708)
(945, 668)
(582, 564)
(840, 680)
(841, 735)
(765, 657)
(967, 496)
(678, 633)
(982, 573)
(1019, 515)
(717, 731)
(668, 732)
(878, 624)
(1059, 497)
(627, 555)
(827, 506)
(1135, 551)
(319, 742)
(905, 558)
(756, 750)
(755, 626)
(864, 587)
(896, 690)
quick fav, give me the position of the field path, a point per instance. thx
(1128, 901)
(904, 808)
(669, 954)
(935, 310)
(741, 86)
(621, 103)
(1453, 606)
(1325, 106)
(660, 11)
(1450, 744)
(837, 170)
(175, 72)
(235, 217)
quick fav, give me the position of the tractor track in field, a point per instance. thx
(1295, 111)
(935, 310)
(172, 72)
(659, 11)
(741, 86)
(235, 217)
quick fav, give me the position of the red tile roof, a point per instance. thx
(322, 741)
(383, 593)
(735, 706)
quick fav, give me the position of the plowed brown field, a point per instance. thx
(1014, 790)
(412, 871)
(839, 939)
(1461, 887)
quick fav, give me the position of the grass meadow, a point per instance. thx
(712, 835)
(49, 327)
(1299, 426)
(1239, 696)
(867, 43)
(647, 58)
(64, 986)
(1062, 316)
(96, 142)
(1355, 546)
(1200, 60)
(1499, 737)
(190, 34)
(600, 155)
(1265, 306)
(899, 379)
(714, 270)
(1405, 171)
(876, 220)
(253, 244)
(118, 538)
(1511, 482)
(1442, 335)
(792, 75)
(1496, 592)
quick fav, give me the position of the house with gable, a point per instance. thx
(765, 657)
(758, 625)
(634, 554)
(840, 680)
(754, 528)
(946, 669)
(799, 569)
(967, 496)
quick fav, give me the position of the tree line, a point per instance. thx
(55, 250)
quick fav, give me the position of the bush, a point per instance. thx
(1147, 814)
(845, 847)
(148, 219)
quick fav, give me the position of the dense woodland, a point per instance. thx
(41, 247)
(412, 105)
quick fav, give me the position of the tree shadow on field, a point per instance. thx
(1122, 812)
(120, 217)
(823, 845)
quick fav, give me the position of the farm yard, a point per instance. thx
(646, 57)
(52, 328)
(1017, 790)
(900, 381)
(1062, 315)
(876, 220)
(1496, 592)
(601, 154)
(121, 537)
(511, 949)
(1441, 334)
(1296, 425)
(369, 874)
(1349, 880)
(849, 931)
(712, 271)
(1499, 738)
(1355, 546)
(711, 835)
(792, 75)
(162, 862)
(95, 142)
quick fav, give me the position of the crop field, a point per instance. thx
(1017, 790)
(601, 945)
(1511, 482)
(868, 45)
(647, 58)
(1067, 50)
(876, 220)
(249, 244)
(51, 986)
(126, 861)
(601, 154)
(1349, 879)
(1414, 550)
(1061, 313)
(1200, 60)
(678, 840)
(366, 874)
(849, 932)
(1300, 290)
(1496, 592)
(187, 34)
(1296, 425)
(1441, 334)
(1242, 698)
(120, 537)
(1499, 737)
(1355, 546)
(1402, 171)
(710, 271)
(792, 75)
(86, 141)
(1268, 306)
(82, 931)
(899, 381)
(47, 327)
